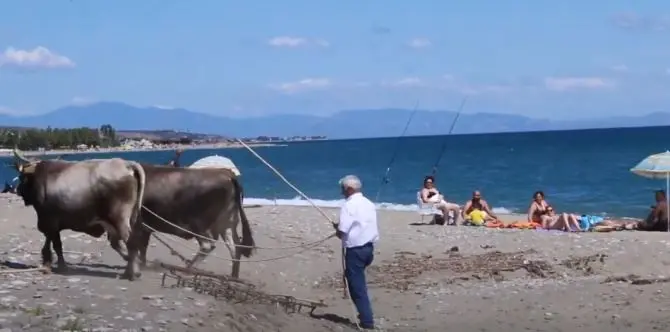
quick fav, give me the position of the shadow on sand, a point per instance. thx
(89, 270)
(337, 319)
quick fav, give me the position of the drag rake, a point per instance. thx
(231, 289)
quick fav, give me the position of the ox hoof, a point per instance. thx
(46, 269)
(61, 268)
(131, 276)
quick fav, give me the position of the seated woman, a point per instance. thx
(540, 212)
(477, 211)
(430, 194)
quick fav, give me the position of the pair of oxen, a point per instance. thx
(122, 197)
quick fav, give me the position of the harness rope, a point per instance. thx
(234, 244)
(224, 258)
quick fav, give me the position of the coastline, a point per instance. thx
(56, 152)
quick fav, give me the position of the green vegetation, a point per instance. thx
(54, 138)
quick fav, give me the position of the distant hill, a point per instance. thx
(343, 124)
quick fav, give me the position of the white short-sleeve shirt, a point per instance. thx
(358, 221)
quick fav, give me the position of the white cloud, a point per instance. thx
(405, 82)
(322, 42)
(302, 85)
(293, 42)
(576, 83)
(635, 21)
(12, 111)
(39, 57)
(620, 68)
(419, 43)
(164, 107)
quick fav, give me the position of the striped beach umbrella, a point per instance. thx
(216, 161)
(656, 166)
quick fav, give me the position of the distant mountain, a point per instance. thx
(343, 124)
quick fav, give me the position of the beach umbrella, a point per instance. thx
(656, 166)
(216, 161)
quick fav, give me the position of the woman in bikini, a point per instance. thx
(542, 213)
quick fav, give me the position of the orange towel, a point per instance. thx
(525, 225)
(495, 224)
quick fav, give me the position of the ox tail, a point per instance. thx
(140, 176)
(247, 236)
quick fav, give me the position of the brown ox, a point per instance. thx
(90, 196)
(204, 201)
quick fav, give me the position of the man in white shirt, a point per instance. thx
(357, 228)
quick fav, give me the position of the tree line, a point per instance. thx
(58, 138)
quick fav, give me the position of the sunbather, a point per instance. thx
(657, 220)
(430, 194)
(540, 212)
(477, 211)
(564, 221)
(538, 208)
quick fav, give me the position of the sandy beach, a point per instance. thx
(424, 278)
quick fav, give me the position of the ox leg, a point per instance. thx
(58, 247)
(144, 245)
(118, 245)
(233, 241)
(205, 247)
(136, 243)
(47, 255)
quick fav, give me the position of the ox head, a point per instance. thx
(26, 168)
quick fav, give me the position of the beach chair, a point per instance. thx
(427, 210)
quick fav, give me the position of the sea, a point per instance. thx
(580, 171)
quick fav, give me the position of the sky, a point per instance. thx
(545, 59)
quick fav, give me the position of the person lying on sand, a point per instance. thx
(564, 221)
(657, 220)
(477, 211)
(540, 212)
(430, 194)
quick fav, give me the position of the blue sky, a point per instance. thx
(555, 59)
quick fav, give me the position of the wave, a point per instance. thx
(299, 201)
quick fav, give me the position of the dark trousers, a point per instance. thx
(356, 260)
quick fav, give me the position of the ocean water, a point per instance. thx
(585, 171)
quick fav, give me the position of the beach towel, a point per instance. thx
(525, 225)
(588, 222)
(495, 224)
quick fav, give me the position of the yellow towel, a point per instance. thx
(477, 217)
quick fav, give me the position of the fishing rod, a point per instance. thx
(386, 179)
(444, 143)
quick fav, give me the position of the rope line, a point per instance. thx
(444, 143)
(162, 240)
(386, 179)
(236, 245)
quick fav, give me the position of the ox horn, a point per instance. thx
(19, 156)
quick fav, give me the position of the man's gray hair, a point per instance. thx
(351, 181)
